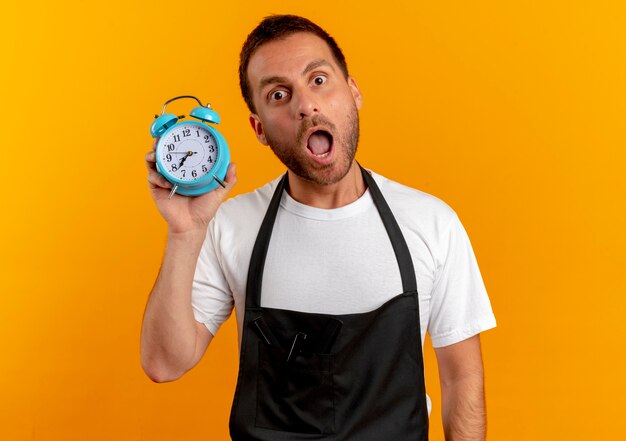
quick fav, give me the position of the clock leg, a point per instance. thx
(219, 181)
(173, 191)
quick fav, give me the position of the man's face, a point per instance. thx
(306, 110)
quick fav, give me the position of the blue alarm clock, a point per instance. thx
(191, 155)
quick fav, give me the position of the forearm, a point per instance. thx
(168, 335)
(463, 409)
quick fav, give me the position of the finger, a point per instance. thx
(156, 180)
(151, 160)
(154, 144)
(150, 165)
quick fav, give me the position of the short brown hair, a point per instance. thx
(276, 27)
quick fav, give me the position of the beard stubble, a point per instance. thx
(296, 160)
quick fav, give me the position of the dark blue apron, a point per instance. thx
(307, 376)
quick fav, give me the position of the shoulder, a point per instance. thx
(253, 201)
(415, 207)
(428, 224)
(244, 212)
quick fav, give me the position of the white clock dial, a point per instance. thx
(189, 152)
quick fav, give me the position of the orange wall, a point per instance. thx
(511, 112)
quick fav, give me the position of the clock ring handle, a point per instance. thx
(182, 96)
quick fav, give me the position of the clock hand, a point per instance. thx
(182, 161)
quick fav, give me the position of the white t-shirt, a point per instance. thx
(340, 261)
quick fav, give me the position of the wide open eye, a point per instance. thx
(319, 80)
(278, 95)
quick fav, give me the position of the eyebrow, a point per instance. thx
(315, 64)
(311, 66)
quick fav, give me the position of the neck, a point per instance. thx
(347, 190)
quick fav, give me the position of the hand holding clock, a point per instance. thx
(185, 214)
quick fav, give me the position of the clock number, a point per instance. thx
(174, 167)
(186, 132)
(168, 157)
(210, 160)
(176, 138)
(194, 173)
(211, 148)
(184, 172)
(204, 169)
(197, 133)
(170, 147)
(206, 138)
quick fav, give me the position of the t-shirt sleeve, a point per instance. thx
(460, 307)
(211, 298)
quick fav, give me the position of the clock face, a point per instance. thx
(188, 151)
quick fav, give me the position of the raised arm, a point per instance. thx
(172, 341)
(462, 390)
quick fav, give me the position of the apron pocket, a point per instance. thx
(298, 399)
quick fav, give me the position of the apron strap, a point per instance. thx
(400, 248)
(259, 252)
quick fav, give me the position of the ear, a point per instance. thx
(257, 126)
(356, 93)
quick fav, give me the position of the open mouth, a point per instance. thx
(320, 143)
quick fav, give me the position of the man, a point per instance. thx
(333, 270)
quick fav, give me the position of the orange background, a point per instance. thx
(511, 112)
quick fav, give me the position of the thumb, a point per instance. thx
(231, 176)
(230, 180)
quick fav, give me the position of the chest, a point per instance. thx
(334, 267)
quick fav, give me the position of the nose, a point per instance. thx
(306, 104)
